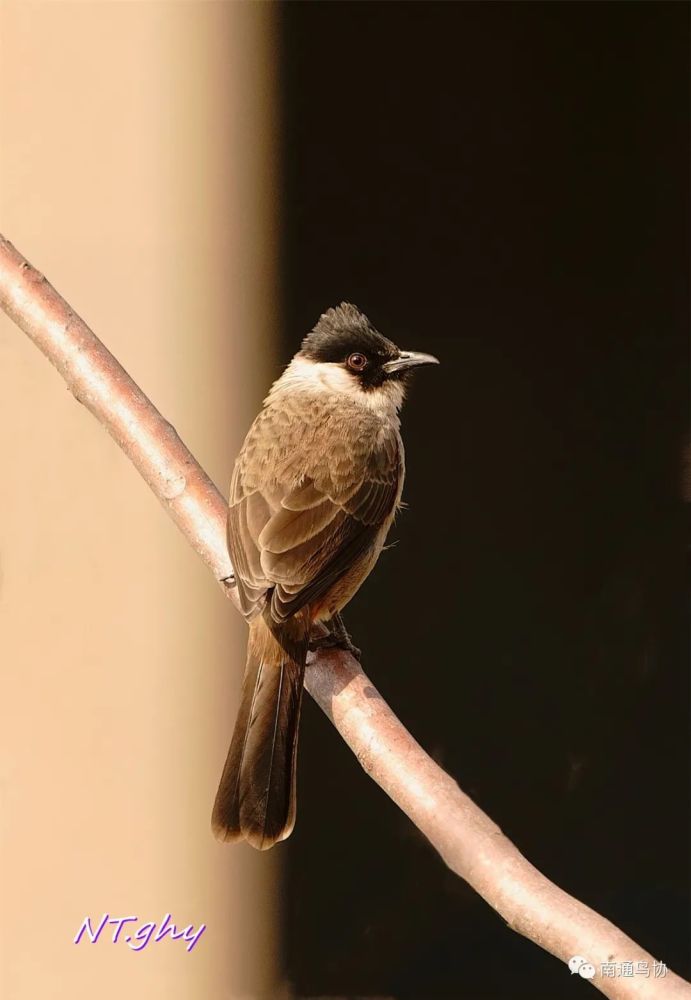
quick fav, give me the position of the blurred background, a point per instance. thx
(504, 185)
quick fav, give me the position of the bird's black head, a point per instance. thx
(345, 337)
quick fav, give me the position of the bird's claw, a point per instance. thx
(336, 638)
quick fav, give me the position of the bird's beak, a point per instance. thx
(407, 360)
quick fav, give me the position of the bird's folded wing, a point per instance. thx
(298, 540)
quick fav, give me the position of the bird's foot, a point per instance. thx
(336, 638)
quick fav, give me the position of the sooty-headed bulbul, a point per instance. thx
(314, 491)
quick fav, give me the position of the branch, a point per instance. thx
(468, 841)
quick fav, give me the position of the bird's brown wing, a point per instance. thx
(295, 541)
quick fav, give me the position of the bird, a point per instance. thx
(314, 491)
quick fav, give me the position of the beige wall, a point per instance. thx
(136, 171)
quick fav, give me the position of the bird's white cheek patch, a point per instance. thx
(331, 378)
(336, 379)
(316, 376)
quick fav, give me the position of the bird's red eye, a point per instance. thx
(357, 362)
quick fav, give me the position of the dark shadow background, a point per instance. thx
(505, 186)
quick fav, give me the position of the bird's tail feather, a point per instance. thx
(256, 795)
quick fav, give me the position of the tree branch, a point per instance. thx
(468, 841)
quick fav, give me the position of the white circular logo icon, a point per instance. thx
(575, 963)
